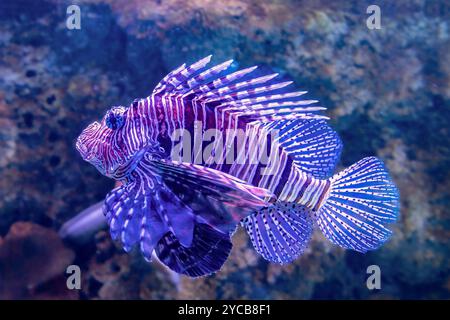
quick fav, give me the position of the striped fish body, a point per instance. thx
(244, 143)
(209, 149)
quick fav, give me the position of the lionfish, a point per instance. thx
(185, 212)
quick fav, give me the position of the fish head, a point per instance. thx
(103, 143)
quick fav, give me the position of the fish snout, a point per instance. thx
(82, 149)
(84, 144)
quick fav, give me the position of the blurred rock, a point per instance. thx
(33, 262)
(113, 274)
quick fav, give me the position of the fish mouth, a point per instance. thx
(91, 155)
(85, 153)
(82, 150)
(93, 150)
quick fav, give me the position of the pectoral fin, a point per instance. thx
(143, 210)
(217, 198)
(188, 209)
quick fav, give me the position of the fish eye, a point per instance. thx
(115, 118)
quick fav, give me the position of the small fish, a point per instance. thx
(187, 185)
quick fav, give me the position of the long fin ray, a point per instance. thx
(236, 101)
(143, 210)
(216, 198)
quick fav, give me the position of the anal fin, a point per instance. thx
(280, 232)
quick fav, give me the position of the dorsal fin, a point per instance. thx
(313, 145)
(199, 86)
(239, 98)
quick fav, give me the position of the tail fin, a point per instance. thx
(362, 200)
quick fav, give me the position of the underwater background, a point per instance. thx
(387, 92)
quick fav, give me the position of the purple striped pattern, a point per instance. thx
(275, 196)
